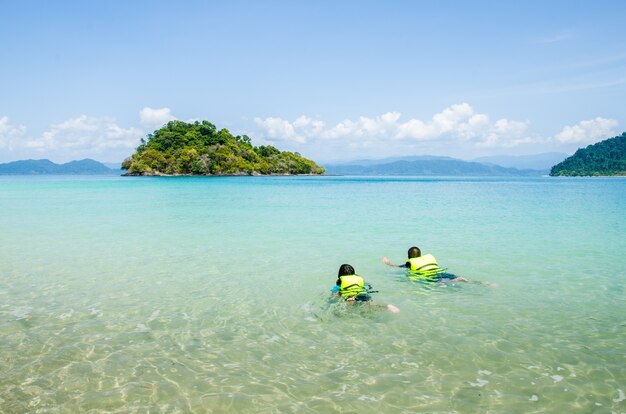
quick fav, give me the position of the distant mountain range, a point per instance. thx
(388, 160)
(428, 165)
(39, 167)
(431, 166)
(543, 161)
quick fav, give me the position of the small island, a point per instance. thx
(198, 148)
(605, 158)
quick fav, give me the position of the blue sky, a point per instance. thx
(332, 80)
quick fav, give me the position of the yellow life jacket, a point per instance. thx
(425, 265)
(351, 286)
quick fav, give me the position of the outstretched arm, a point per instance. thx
(388, 263)
(490, 284)
(474, 282)
(391, 308)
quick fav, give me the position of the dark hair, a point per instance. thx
(414, 252)
(345, 270)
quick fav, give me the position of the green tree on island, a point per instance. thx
(607, 157)
(200, 149)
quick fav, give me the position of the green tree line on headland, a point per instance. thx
(198, 148)
(607, 157)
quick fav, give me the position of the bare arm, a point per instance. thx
(388, 263)
(459, 279)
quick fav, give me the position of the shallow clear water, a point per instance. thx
(211, 295)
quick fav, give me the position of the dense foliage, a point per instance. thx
(199, 149)
(607, 157)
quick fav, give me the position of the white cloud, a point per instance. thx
(448, 119)
(456, 129)
(278, 129)
(310, 127)
(11, 136)
(81, 137)
(457, 122)
(342, 129)
(86, 135)
(505, 133)
(155, 118)
(415, 129)
(587, 132)
(382, 125)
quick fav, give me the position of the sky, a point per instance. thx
(331, 80)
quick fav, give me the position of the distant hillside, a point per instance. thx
(389, 160)
(542, 161)
(39, 167)
(429, 166)
(607, 157)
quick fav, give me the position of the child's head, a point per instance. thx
(345, 270)
(414, 252)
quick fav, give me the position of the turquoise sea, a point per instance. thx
(207, 294)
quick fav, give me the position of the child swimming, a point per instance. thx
(426, 268)
(352, 288)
